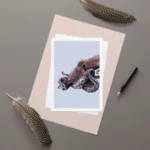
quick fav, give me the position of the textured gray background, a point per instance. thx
(24, 28)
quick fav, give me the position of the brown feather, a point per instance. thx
(33, 119)
(107, 13)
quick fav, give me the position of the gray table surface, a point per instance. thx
(24, 28)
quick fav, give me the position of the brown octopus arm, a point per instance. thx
(82, 67)
(77, 73)
(93, 63)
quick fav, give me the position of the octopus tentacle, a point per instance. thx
(65, 74)
(80, 83)
(98, 74)
(95, 84)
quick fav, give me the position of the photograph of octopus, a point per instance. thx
(76, 75)
(84, 76)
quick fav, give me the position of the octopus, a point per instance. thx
(83, 76)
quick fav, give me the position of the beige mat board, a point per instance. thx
(62, 25)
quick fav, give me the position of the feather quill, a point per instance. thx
(33, 119)
(106, 13)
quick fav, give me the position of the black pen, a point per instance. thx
(123, 87)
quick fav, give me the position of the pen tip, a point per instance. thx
(118, 93)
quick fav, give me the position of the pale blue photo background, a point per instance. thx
(66, 56)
